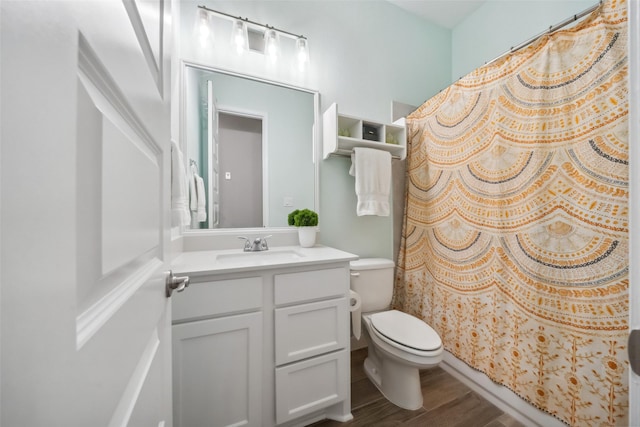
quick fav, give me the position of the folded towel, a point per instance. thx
(202, 199)
(179, 189)
(372, 169)
(197, 199)
(193, 194)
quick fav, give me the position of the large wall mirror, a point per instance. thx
(253, 144)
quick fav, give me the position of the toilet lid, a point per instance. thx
(406, 329)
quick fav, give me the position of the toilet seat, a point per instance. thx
(406, 332)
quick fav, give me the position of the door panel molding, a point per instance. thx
(92, 69)
(127, 404)
(145, 36)
(90, 321)
(119, 195)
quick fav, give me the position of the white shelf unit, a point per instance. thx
(342, 133)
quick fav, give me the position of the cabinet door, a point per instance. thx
(217, 372)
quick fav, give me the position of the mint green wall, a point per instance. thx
(373, 53)
(364, 55)
(498, 25)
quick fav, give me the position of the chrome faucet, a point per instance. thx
(257, 245)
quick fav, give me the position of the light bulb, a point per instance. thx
(240, 36)
(203, 28)
(271, 44)
(302, 52)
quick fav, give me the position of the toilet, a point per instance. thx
(399, 344)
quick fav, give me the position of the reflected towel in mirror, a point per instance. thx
(197, 199)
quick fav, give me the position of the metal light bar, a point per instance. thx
(247, 20)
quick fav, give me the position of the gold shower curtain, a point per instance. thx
(515, 240)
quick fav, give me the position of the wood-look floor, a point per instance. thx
(447, 403)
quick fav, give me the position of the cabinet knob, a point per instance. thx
(175, 283)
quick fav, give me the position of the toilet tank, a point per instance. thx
(372, 279)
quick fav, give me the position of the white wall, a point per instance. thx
(364, 55)
(497, 26)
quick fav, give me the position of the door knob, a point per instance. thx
(175, 283)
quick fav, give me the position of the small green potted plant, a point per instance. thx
(306, 220)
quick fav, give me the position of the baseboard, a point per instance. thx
(357, 344)
(498, 395)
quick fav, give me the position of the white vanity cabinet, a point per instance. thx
(262, 346)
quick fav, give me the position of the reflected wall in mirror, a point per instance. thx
(252, 143)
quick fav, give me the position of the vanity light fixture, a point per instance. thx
(240, 39)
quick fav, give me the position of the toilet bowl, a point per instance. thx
(393, 365)
(399, 345)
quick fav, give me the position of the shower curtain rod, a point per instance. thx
(551, 29)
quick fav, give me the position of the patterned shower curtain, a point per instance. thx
(515, 236)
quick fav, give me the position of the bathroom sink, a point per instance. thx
(259, 258)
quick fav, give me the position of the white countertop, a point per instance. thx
(236, 260)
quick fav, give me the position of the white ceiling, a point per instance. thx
(446, 13)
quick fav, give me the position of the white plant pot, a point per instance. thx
(307, 236)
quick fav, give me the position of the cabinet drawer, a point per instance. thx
(217, 297)
(311, 285)
(310, 385)
(311, 329)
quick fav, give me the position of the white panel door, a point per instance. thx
(85, 213)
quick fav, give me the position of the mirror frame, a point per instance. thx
(316, 148)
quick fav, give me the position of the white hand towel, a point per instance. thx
(372, 169)
(193, 200)
(193, 194)
(179, 188)
(202, 199)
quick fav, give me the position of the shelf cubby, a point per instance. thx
(342, 133)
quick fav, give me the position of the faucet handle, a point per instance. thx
(264, 246)
(247, 242)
